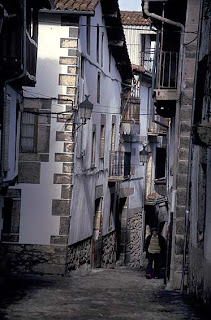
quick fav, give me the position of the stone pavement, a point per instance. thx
(120, 293)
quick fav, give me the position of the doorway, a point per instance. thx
(120, 228)
(97, 235)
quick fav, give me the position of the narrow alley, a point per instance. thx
(121, 293)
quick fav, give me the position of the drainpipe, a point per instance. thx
(5, 93)
(177, 115)
(187, 211)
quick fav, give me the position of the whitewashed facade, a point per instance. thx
(67, 213)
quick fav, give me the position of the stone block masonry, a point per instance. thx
(133, 246)
(69, 82)
(34, 259)
(79, 255)
(188, 74)
(108, 259)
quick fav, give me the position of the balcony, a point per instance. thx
(31, 61)
(11, 55)
(155, 129)
(166, 83)
(120, 166)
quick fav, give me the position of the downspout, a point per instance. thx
(177, 114)
(187, 211)
(5, 93)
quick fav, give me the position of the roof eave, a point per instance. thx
(69, 12)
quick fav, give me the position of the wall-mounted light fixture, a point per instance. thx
(85, 109)
(143, 155)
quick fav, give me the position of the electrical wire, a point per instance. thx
(112, 27)
(95, 105)
(185, 44)
(45, 96)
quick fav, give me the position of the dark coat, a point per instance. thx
(162, 244)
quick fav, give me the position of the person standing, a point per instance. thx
(155, 249)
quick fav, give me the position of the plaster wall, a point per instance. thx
(37, 223)
(87, 177)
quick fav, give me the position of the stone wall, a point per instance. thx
(133, 246)
(108, 259)
(79, 255)
(35, 259)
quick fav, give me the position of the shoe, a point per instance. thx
(156, 277)
(148, 276)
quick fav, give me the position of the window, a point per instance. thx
(28, 132)
(143, 41)
(127, 163)
(98, 42)
(102, 50)
(88, 30)
(109, 63)
(98, 87)
(113, 137)
(160, 169)
(112, 154)
(82, 67)
(102, 141)
(93, 148)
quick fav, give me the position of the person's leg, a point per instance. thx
(149, 266)
(156, 264)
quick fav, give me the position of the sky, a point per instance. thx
(131, 5)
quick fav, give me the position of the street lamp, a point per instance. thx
(143, 155)
(85, 108)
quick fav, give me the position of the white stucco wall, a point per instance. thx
(37, 223)
(86, 179)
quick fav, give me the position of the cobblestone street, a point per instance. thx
(120, 293)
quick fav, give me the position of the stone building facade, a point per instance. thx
(183, 98)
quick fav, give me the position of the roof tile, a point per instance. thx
(134, 18)
(79, 5)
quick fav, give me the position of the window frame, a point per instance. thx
(102, 50)
(98, 87)
(98, 44)
(93, 150)
(102, 141)
(35, 132)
